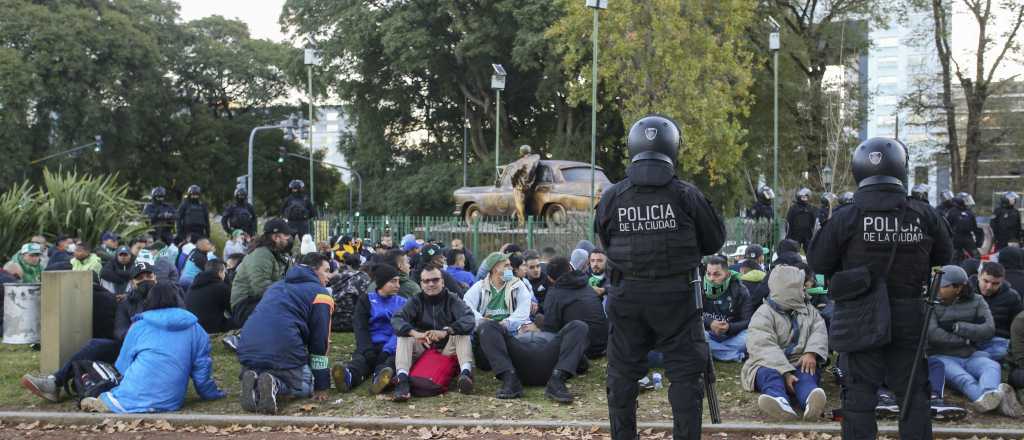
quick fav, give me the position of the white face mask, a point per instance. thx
(71, 248)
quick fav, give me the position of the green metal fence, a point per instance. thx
(488, 234)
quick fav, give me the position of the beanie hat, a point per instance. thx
(491, 260)
(382, 273)
(578, 259)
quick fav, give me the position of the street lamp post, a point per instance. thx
(597, 6)
(773, 46)
(291, 126)
(498, 84)
(359, 182)
(465, 141)
(96, 144)
(311, 58)
(826, 176)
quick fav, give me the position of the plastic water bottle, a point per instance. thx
(657, 380)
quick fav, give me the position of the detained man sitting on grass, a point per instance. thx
(164, 348)
(284, 343)
(435, 317)
(725, 311)
(375, 337)
(788, 343)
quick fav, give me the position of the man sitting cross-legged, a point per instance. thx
(434, 317)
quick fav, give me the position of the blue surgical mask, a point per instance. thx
(507, 275)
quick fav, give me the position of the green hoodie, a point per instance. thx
(754, 276)
(92, 262)
(714, 291)
(30, 273)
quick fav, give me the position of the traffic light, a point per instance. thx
(282, 154)
(99, 144)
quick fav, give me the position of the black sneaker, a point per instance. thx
(511, 388)
(556, 390)
(466, 382)
(266, 390)
(887, 406)
(248, 397)
(342, 377)
(402, 392)
(381, 380)
(942, 411)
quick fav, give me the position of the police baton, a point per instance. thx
(933, 290)
(709, 370)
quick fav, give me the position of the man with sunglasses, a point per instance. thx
(435, 317)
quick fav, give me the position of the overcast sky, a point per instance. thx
(260, 15)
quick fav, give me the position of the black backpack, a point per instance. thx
(91, 378)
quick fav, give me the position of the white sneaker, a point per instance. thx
(814, 407)
(1009, 406)
(988, 401)
(776, 407)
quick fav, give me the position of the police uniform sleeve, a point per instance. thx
(824, 255)
(601, 218)
(942, 245)
(707, 222)
(224, 220)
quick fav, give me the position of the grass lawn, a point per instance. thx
(737, 405)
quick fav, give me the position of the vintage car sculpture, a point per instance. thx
(559, 186)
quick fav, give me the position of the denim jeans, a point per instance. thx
(296, 382)
(769, 381)
(972, 376)
(103, 350)
(733, 349)
(996, 348)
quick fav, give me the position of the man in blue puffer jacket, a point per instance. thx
(376, 342)
(163, 349)
(284, 343)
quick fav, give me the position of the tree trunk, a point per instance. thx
(942, 46)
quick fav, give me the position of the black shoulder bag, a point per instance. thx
(862, 318)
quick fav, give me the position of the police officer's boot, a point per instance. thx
(622, 406)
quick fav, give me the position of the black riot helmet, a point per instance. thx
(1009, 199)
(827, 199)
(846, 198)
(804, 195)
(920, 192)
(946, 196)
(241, 194)
(966, 197)
(296, 185)
(654, 137)
(765, 194)
(880, 161)
(158, 193)
(194, 190)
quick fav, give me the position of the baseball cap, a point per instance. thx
(141, 268)
(31, 248)
(430, 250)
(276, 226)
(108, 235)
(953, 275)
(754, 252)
(123, 250)
(410, 245)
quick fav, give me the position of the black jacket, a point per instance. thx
(1004, 305)
(761, 210)
(194, 215)
(208, 298)
(104, 308)
(297, 208)
(729, 305)
(924, 239)
(800, 220)
(234, 217)
(571, 298)
(423, 312)
(1005, 225)
(117, 274)
(1012, 258)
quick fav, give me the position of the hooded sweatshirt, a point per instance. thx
(726, 302)
(1012, 258)
(163, 350)
(571, 299)
(30, 273)
(92, 262)
(784, 328)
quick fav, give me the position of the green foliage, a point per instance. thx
(68, 203)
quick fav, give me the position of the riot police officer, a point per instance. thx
(865, 235)
(1006, 222)
(655, 229)
(297, 209)
(979, 234)
(161, 215)
(762, 208)
(945, 202)
(800, 219)
(240, 214)
(827, 200)
(845, 198)
(965, 229)
(920, 192)
(193, 216)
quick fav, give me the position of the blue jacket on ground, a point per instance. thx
(290, 325)
(163, 349)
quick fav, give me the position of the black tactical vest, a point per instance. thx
(872, 241)
(650, 235)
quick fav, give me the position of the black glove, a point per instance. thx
(947, 326)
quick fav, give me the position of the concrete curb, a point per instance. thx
(179, 419)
